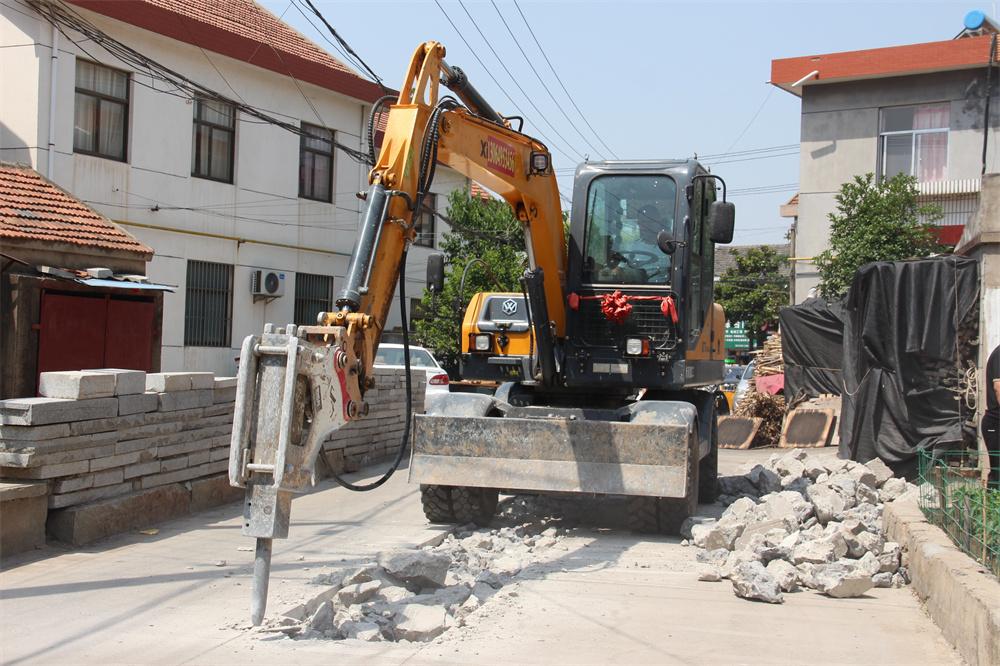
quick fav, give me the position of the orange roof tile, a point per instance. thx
(952, 54)
(34, 208)
(243, 30)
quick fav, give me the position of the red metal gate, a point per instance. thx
(82, 331)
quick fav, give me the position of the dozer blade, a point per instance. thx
(290, 395)
(555, 455)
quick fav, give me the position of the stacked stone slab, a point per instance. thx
(118, 449)
(803, 520)
(379, 435)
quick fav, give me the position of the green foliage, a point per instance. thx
(977, 510)
(480, 228)
(876, 221)
(753, 290)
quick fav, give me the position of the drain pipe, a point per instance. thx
(52, 103)
(989, 93)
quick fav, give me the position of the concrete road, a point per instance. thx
(182, 596)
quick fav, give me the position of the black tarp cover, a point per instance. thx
(898, 311)
(812, 346)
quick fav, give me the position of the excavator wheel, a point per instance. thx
(708, 469)
(437, 503)
(665, 515)
(474, 505)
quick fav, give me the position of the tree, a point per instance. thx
(480, 228)
(752, 291)
(877, 220)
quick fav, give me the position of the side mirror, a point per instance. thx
(666, 242)
(721, 222)
(435, 273)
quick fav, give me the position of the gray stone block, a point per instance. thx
(177, 400)
(165, 382)
(76, 384)
(225, 382)
(127, 382)
(139, 403)
(82, 524)
(43, 411)
(202, 380)
(34, 433)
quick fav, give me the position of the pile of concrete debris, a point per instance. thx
(803, 520)
(416, 595)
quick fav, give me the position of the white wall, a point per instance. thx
(256, 222)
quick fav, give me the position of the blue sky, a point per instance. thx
(654, 79)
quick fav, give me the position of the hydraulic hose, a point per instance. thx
(409, 394)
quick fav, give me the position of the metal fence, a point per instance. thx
(954, 497)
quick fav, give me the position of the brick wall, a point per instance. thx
(107, 438)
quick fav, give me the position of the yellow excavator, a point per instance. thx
(602, 355)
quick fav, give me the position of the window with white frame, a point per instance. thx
(100, 111)
(214, 140)
(425, 222)
(316, 163)
(913, 140)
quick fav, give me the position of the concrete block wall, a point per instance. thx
(118, 449)
(378, 436)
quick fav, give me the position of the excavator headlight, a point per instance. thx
(539, 162)
(637, 346)
(482, 342)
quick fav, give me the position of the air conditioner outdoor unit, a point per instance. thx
(267, 284)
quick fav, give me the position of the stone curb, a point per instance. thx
(961, 595)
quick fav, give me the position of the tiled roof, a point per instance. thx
(952, 54)
(35, 209)
(242, 30)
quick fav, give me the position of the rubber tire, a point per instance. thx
(436, 501)
(474, 505)
(665, 515)
(708, 469)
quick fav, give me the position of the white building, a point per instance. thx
(217, 190)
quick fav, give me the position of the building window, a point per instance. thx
(214, 140)
(313, 294)
(100, 111)
(914, 141)
(425, 222)
(316, 163)
(208, 305)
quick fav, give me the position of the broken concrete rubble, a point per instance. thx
(416, 595)
(819, 528)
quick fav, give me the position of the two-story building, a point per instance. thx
(218, 136)
(919, 109)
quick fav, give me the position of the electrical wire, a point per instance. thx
(568, 96)
(488, 71)
(517, 42)
(66, 19)
(348, 48)
(541, 115)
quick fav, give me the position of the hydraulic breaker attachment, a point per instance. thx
(290, 395)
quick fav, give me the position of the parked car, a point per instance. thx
(744, 385)
(733, 374)
(421, 360)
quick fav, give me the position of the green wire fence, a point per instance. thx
(954, 497)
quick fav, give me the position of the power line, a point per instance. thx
(514, 79)
(537, 76)
(570, 97)
(66, 19)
